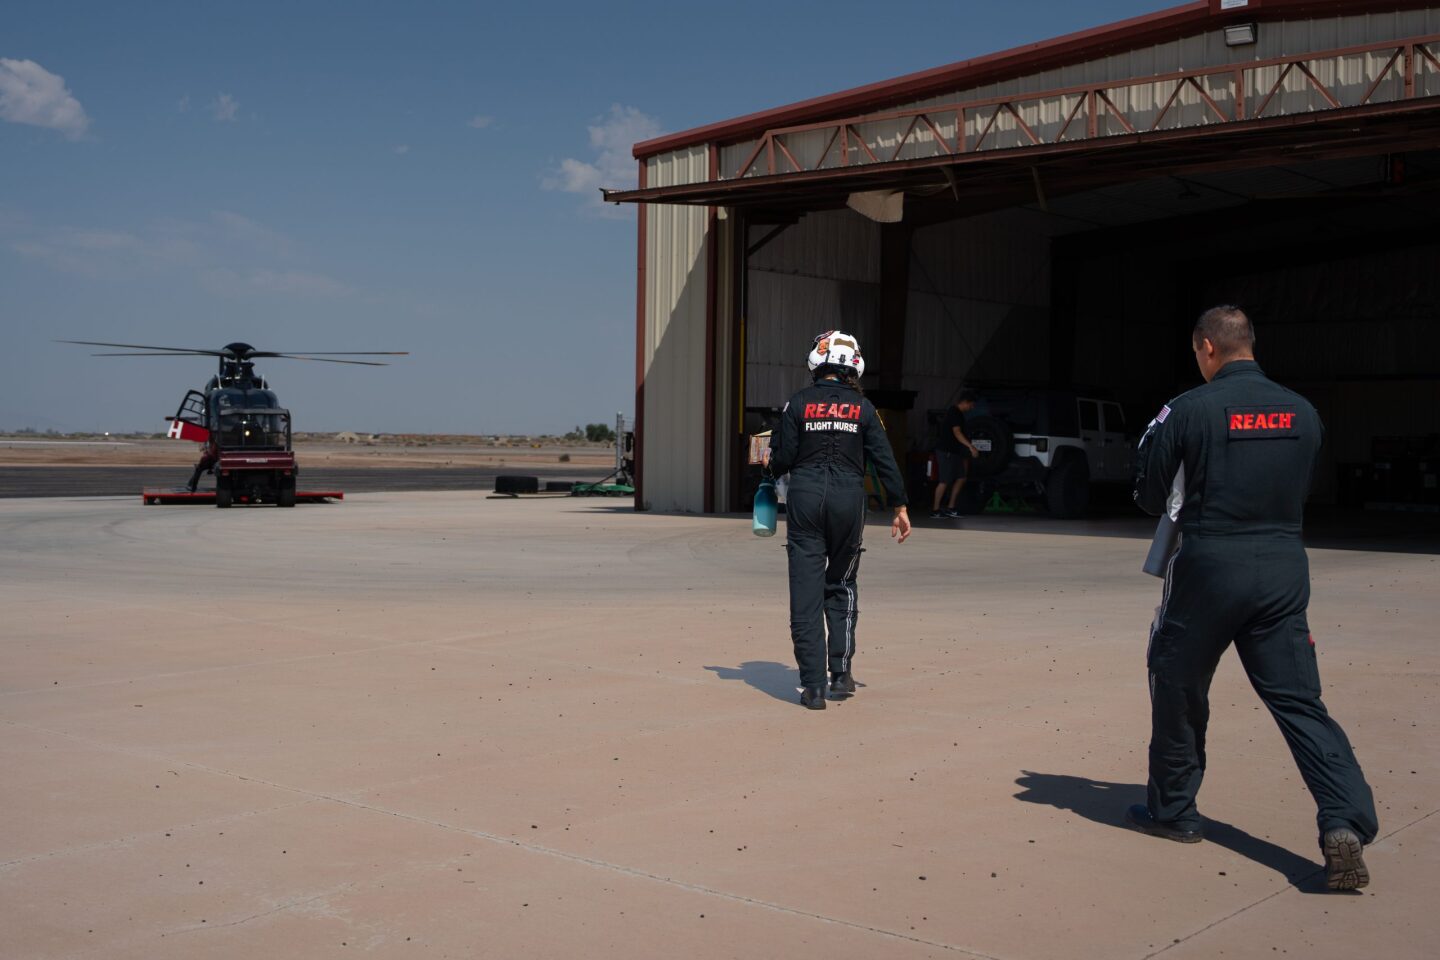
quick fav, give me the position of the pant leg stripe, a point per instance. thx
(850, 610)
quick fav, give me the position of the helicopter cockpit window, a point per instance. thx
(241, 419)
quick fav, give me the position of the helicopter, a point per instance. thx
(245, 433)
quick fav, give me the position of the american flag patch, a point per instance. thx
(1164, 412)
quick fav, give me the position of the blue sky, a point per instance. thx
(384, 176)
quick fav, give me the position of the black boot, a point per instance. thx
(813, 698)
(1344, 867)
(842, 685)
(1138, 816)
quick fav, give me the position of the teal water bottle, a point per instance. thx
(766, 507)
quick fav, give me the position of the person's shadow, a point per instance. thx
(1105, 803)
(774, 679)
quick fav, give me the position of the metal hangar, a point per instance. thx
(1059, 214)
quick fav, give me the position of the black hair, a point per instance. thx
(847, 375)
(968, 396)
(1227, 327)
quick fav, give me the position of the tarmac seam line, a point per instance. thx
(522, 845)
(1286, 889)
(645, 875)
(382, 648)
(136, 837)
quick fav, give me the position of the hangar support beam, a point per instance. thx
(1247, 91)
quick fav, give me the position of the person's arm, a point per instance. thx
(785, 441)
(964, 440)
(878, 453)
(1158, 458)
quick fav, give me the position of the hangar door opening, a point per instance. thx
(1094, 293)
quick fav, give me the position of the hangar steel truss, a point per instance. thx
(1359, 76)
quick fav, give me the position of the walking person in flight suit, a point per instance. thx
(1244, 448)
(828, 433)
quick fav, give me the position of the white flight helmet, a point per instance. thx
(838, 351)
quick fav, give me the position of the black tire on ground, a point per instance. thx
(224, 495)
(1001, 440)
(286, 495)
(559, 486)
(515, 484)
(1067, 489)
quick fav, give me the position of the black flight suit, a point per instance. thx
(1247, 447)
(827, 435)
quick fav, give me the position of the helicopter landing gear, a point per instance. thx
(285, 497)
(224, 493)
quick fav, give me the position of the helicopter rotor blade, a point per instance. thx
(362, 363)
(334, 353)
(142, 346)
(173, 353)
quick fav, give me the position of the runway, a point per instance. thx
(438, 724)
(119, 481)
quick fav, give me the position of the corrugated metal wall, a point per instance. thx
(1359, 335)
(977, 308)
(979, 305)
(729, 417)
(674, 345)
(1349, 80)
(823, 273)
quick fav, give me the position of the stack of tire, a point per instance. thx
(1067, 487)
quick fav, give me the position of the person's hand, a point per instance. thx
(973, 452)
(900, 526)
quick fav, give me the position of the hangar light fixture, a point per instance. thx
(882, 206)
(1240, 34)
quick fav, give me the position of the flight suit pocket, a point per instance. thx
(1307, 666)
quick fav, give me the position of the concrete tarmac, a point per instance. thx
(441, 725)
(118, 481)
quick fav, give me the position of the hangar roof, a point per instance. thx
(978, 142)
(1145, 30)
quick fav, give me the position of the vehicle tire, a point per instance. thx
(1067, 489)
(224, 495)
(1001, 440)
(559, 486)
(512, 484)
(286, 495)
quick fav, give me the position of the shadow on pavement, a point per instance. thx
(773, 679)
(1105, 803)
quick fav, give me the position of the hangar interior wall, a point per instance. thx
(977, 304)
(1349, 319)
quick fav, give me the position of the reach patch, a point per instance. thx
(832, 411)
(1258, 423)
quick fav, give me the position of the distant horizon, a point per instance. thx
(382, 176)
(27, 432)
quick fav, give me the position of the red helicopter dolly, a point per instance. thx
(239, 420)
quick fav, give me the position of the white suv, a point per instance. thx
(1049, 443)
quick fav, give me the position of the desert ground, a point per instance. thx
(437, 724)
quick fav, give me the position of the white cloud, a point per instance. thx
(92, 252)
(252, 236)
(401, 149)
(230, 282)
(224, 107)
(229, 253)
(299, 282)
(480, 121)
(612, 166)
(31, 94)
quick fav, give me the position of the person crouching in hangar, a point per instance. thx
(828, 434)
(1240, 450)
